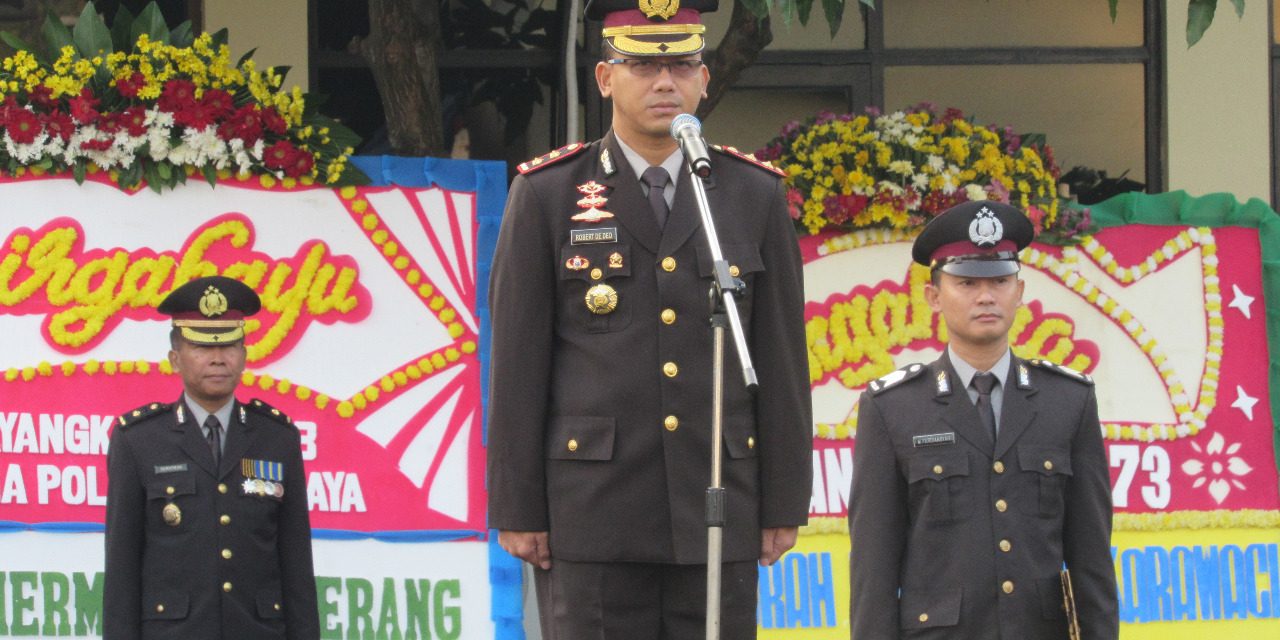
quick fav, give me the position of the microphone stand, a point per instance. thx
(724, 312)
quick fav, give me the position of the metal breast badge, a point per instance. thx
(602, 299)
(172, 514)
(592, 200)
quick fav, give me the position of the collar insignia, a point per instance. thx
(944, 383)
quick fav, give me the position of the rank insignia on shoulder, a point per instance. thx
(550, 158)
(143, 412)
(1061, 370)
(262, 408)
(748, 158)
(890, 380)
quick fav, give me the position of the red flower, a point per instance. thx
(58, 125)
(41, 96)
(134, 120)
(279, 155)
(96, 144)
(273, 121)
(177, 94)
(109, 123)
(23, 125)
(218, 102)
(84, 108)
(245, 124)
(301, 164)
(129, 87)
(196, 115)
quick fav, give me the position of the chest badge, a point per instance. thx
(172, 514)
(615, 260)
(577, 263)
(602, 299)
(593, 199)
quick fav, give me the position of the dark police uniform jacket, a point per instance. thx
(236, 565)
(951, 541)
(599, 424)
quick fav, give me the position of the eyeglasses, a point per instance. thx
(646, 68)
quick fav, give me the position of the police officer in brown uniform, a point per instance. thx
(979, 476)
(207, 529)
(600, 397)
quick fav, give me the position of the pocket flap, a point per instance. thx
(924, 609)
(937, 467)
(170, 485)
(746, 257)
(165, 605)
(581, 438)
(740, 437)
(269, 604)
(1045, 461)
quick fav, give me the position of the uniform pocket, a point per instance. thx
(740, 437)
(595, 279)
(928, 609)
(165, 605)
(937, 486)
(167, 497)
(581, 438)
(1051, 468)
(269, 605)
(1052, 601)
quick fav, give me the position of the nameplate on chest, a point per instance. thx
(593, 236)
(170, 468)
(934, 439)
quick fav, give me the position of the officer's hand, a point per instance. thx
(775, 542)
(532, 547)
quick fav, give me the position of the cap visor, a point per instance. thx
(981, 268)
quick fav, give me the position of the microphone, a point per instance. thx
(687, 131)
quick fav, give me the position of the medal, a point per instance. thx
(601, 299)
(172, 514)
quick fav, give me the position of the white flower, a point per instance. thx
(1220, 486)
(903, 167)
(936, 163)
(920, 181)
(975, 192)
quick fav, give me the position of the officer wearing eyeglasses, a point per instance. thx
(600, 392)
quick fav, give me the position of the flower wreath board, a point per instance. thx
(369, 339)
(1170, 308)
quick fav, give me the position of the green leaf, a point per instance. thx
(1111, 4)
(219, 38)
(802, 9)
(150, 22)
(56, 35)
(871, 4)
(79, 169)
(1199, 17)
(91, 34)
(154, 180)
(181, 36)
(121, 25)
(1239, 5)
(165, 170)
(758, 7)
(17, 43)
(245, 58)
(835, 13)
(210, 174)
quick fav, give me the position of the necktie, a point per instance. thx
(984, 383)
(215, 438)
(657, 179)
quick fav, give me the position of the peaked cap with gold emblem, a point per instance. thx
(978, 239)
(211, 310)
(652, 27)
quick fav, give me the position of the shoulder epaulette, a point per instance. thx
(143, 412)
(262, 408)
(550, 158)
(1061, 370)
(890, 380)
(748, 158)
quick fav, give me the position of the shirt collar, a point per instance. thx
(200, 414)
(672, 164)
(966, 371)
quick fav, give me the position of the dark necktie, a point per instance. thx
(657, 179)
(215, 438)
(984, 383)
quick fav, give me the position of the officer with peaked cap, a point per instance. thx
(207, 532)
(979, 476)
(600, 397)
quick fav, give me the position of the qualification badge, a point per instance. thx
(602, 299)
(592, 200)
(172, 514)
(615, 260)
(577, 263)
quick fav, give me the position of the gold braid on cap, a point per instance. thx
(652, 29)
(211, 324)
(213, 338)
(623, 44)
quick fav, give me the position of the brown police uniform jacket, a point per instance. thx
(950, 541)
(236, 564)
(599, 425)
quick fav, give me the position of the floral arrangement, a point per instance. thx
(900, 170)
(146, 103)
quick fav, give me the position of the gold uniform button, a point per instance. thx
(1048, 465)
(226, 554)
(226, 586)
(276, 606)
(734, 270)
(224, 520)
(670, 369)
(924, 617)
(1005, 546)
(1001, 505)
(671, 423)
(573, 444)
(751, 442)
(159, 608)
(222, 488)
(668, 264)
(998, 467)
(1007, 586)
(668, 316)
(937, 468)
(168, 491)
(596, 274)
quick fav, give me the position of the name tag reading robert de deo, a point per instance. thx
(934, 439)
(593, 236)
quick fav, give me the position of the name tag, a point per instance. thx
(934, 439)
(170, 468)
(593, 236)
